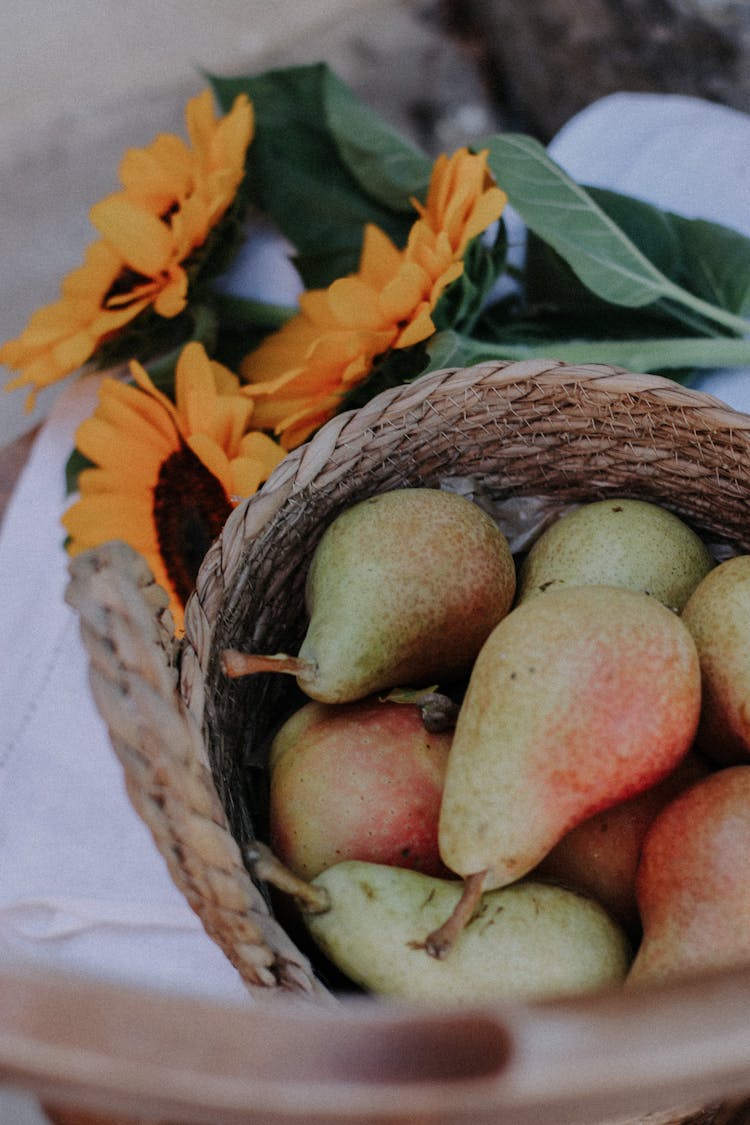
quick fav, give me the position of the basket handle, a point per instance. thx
(75, 1040)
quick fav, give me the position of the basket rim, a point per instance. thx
(503, 373)
(299, 467)
(323, 459)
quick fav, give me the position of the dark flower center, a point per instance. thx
(190, 509)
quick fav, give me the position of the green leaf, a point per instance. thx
(297, 175)
(565, 216)
(382, 162)
(243, 312)
(714, 263)
(156, 341)
(460, 307)
(709, 260)
(452, 349)
(74, 466)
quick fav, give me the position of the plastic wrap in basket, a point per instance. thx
(192, 743)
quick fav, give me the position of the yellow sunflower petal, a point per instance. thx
(96, 519)
(171, 300)
(118, 401)
(380, 259)
(354, 303)
(300, 375)
(213, 457)
(143, 240)
(172, 196)
(419, 328)
(159, 175)
(260, 457)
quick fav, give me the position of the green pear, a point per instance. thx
(529, 940)
(578, 700)
(621, 542)
(403, 587)
(718, 616)
(693, 886)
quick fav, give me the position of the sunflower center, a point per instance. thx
(190, 509)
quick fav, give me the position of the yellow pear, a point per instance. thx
(620, 542)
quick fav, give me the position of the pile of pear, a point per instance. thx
(516, 776)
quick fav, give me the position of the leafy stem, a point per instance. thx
(567, 217)
(449, 349)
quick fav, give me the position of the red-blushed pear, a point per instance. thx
(618, 542)
(718, 616)
(578, 700)
(528, 940)
(693, 881)
(360, 780)
(403, 588)
(600, 856)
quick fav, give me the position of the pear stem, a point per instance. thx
(235, 663)
(439, 712)
(268, 867)
(440, 942)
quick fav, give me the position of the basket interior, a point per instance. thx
(521, 429)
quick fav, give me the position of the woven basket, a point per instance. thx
(192, 742)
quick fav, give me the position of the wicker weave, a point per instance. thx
(534, 428)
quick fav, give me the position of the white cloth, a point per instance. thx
(82, 885)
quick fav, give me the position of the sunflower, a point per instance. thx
(173, 196)
(299, 375)
(165, 475)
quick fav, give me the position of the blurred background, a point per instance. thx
(81, 82)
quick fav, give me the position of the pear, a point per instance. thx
(620, 542)
(600, 856)
(403, 587)
(359, 780)
(578, 700)
(693, 884)
(528, 940)
(718, 616)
